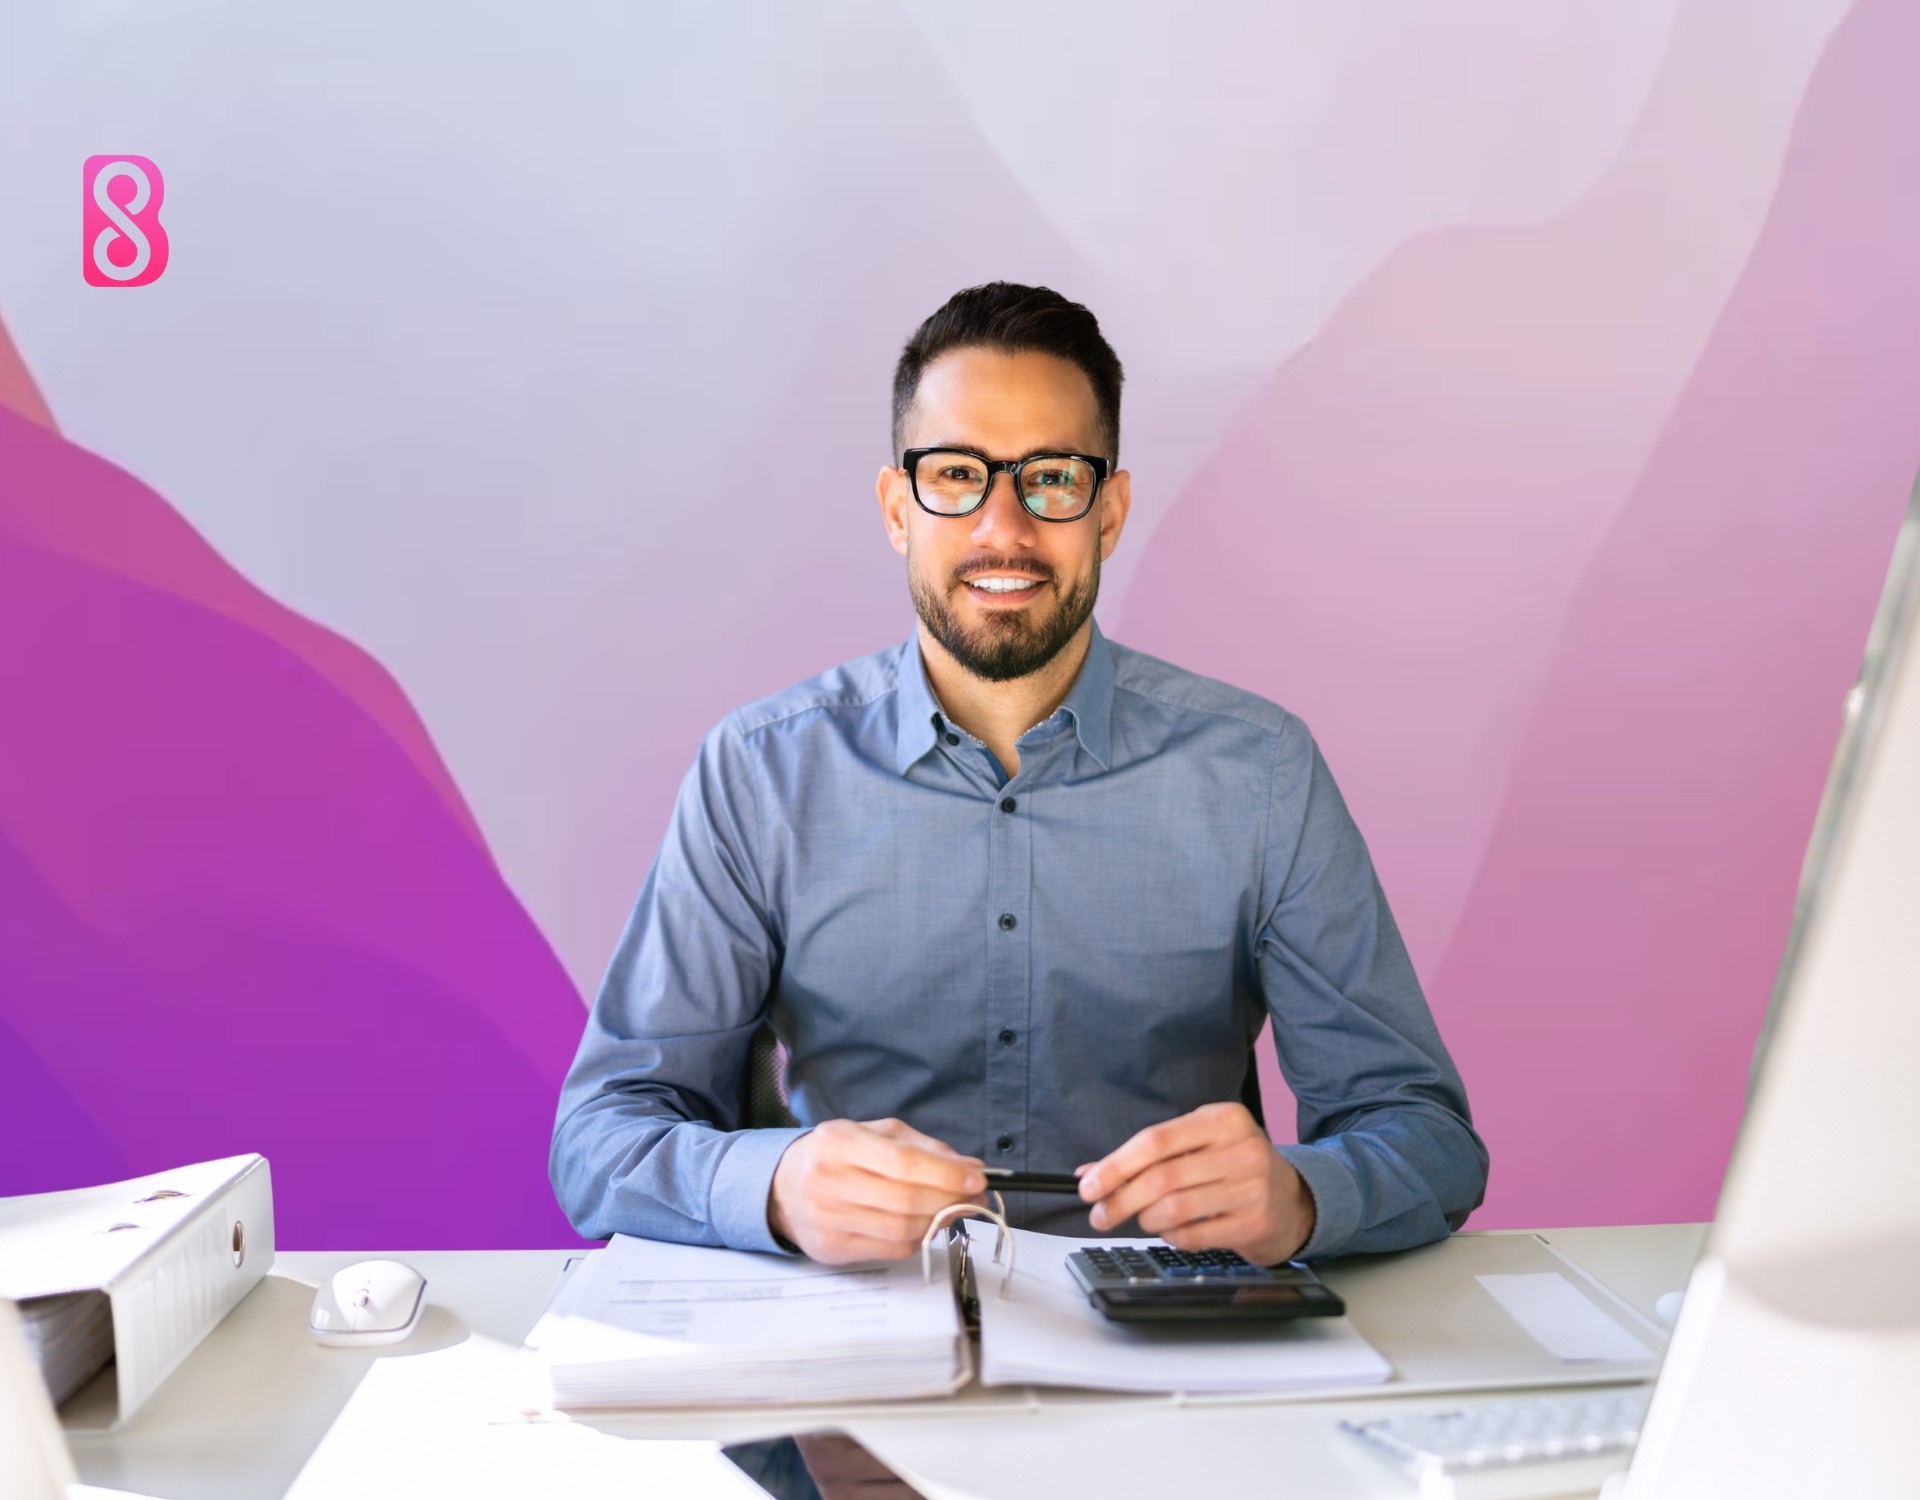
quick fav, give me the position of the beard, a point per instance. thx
(1009, 644)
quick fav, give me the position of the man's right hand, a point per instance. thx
(852, 1190)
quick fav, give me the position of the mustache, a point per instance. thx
(978, 566)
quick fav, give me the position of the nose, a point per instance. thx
(1002, 521)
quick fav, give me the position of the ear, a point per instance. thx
(1116, 499)
(896, 500)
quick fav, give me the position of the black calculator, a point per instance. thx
(1160, 1284)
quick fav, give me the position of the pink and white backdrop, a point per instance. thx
(1526, 395)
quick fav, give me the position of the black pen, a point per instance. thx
(1006, 1180)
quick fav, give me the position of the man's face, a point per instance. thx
(1005, 406)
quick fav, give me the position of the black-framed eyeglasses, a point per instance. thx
(955, 481)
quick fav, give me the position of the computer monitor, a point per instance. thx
(1794, 1366)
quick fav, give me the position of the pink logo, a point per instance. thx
(123, 241)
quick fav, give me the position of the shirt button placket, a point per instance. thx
(1009, 975)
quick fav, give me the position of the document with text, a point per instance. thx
(1044, 1332)
(647, 1323)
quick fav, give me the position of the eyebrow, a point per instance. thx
(1069, 448)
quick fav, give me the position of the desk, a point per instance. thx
(242, 1417)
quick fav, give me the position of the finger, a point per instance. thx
(958, 1176)
(1245, 1159)
(885, 1225)
(1235, 1232)
(840, 1250)
(1177, 1174)
(1188, 1132)
(1194, 1206)
(890, 1195)
(900, 1133)
(900, 1130)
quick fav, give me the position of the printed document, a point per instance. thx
(1044, 1332)
(643, 1322)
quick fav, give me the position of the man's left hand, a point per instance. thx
(1204, 1181)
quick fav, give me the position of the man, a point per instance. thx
(1012, 894)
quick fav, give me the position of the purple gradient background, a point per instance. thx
(239, 913)
(1663, 752)
(1550, 476)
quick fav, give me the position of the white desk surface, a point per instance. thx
(250, 1407)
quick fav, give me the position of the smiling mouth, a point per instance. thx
(1012, 587)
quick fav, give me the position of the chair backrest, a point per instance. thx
(763, 1084)
(1250, 1090)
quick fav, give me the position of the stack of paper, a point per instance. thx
(1044, 1332)
(69, 1337)
(648, 1324)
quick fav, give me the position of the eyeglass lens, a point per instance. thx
(1053, 487)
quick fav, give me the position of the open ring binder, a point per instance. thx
(949, 1219)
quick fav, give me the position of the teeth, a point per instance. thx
(1003, 585)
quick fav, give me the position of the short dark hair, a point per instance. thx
(1014, 319)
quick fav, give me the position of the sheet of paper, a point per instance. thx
(1044, 1332)
(642, 1298)
(648, 1324)
(429, 1425)
(1561, 1318)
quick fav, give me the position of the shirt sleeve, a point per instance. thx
(1387, 1145)
(647, 1140)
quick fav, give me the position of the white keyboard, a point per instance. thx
(1523, 1446)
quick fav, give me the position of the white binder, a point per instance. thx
(32, 1455)
(174, 1252)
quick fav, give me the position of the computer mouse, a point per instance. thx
(370, 1302)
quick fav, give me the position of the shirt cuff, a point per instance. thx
(1336, 1200)
(737, 1204)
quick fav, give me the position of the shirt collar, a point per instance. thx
(915, 733)
(1089, 702)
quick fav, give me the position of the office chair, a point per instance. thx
(763, 1083)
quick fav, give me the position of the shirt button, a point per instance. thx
(1007, 804)
(1006, 1036)
(953, 739)
(1005, 1144)
(1008, 921)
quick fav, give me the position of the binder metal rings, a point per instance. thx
(1002, 1240)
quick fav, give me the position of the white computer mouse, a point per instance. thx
(370, 1302)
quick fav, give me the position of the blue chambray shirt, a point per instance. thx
(1028, 968)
